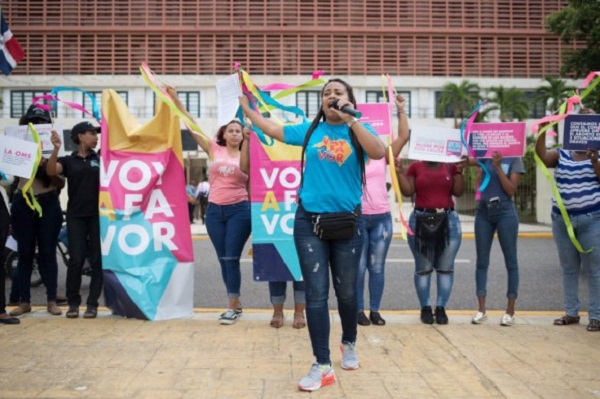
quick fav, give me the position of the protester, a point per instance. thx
(5, 180)
(496, 214)
(202, 200)
(228, 212)
(577, 176)
(190, 194)
(32, 229)
(82, 170)
(277, 289)
(336, 150)
(436, 227)
(376, 227)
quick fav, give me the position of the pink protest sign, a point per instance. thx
(378, 115)
(507, 138)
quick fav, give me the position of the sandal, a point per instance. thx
(363, 320)
(90, 313)
(299, 321)
(566, 320)
(277, 320)
(73, 312)
(376, 319)
(594, 325)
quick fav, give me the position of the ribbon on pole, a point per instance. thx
(32, 202)
(159, 89)
(465, 127)
(589, 83)
(389, 96)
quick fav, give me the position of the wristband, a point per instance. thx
(352, 122)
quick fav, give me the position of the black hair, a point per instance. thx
(221, 133)
(353, 139)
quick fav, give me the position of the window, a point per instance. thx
(190, 100)
(87, 102)
(376, 96)
(20, 100)
(537, 108)
(309, 102)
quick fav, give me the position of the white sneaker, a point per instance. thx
(479, 318)
(507, 320)
(319, 376)
(349, 356)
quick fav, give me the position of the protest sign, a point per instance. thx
(506, 138)
(436, 144)
(17, 157)
(582, 132)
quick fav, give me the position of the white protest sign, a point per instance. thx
(435, 144)
(228, 93)
(17, 156)
(44, 131)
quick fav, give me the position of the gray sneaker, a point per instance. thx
(229, 317)
(349, 356)
(319, 376)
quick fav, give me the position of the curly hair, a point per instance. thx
(221, 133)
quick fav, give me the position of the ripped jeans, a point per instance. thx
(228, 227)
(443, 265)
(317, 257)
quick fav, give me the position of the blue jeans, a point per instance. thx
(277, 290)
(317, 257)
(376, 232)
(587, 231)
(31, 231)
(228, 227)
(501, 218)
(443, 264)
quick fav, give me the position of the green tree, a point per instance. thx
(461, 98)
(511, 104)
(553, 94)
(578, 23)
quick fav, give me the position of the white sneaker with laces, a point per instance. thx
(507, 320)
(319, 376)
(479, 318)
(229, 317)
(349, 356)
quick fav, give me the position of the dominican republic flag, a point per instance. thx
(10, 49)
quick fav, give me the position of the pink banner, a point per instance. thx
(506, 138)
(378, 115)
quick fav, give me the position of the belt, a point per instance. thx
(434, 210)
(39, 196)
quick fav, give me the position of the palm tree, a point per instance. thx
(554, 94)
(511, 103)
(460, 98)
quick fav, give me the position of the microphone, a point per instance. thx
(347, 109)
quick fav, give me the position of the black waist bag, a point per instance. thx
(431, 234)
(334, 226)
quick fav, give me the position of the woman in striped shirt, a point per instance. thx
(577, 177)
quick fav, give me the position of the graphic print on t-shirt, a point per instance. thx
(333, 150)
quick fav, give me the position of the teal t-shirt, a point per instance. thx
(332, 176)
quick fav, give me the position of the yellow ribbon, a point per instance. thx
(161, 94)
(32, 201)
(559, 201)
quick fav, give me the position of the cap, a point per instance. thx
(35, 114)
(83, 127)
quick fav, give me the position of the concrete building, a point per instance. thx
(421, 44)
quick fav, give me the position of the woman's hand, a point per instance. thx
(55, 139)
(592, 155)
(497, 159)
(398, 166)
(400, 103)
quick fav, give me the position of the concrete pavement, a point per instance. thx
(111, 357)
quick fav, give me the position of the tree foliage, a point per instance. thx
(554, 93)
(579, 24)
(510, 103)
(461, 98)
